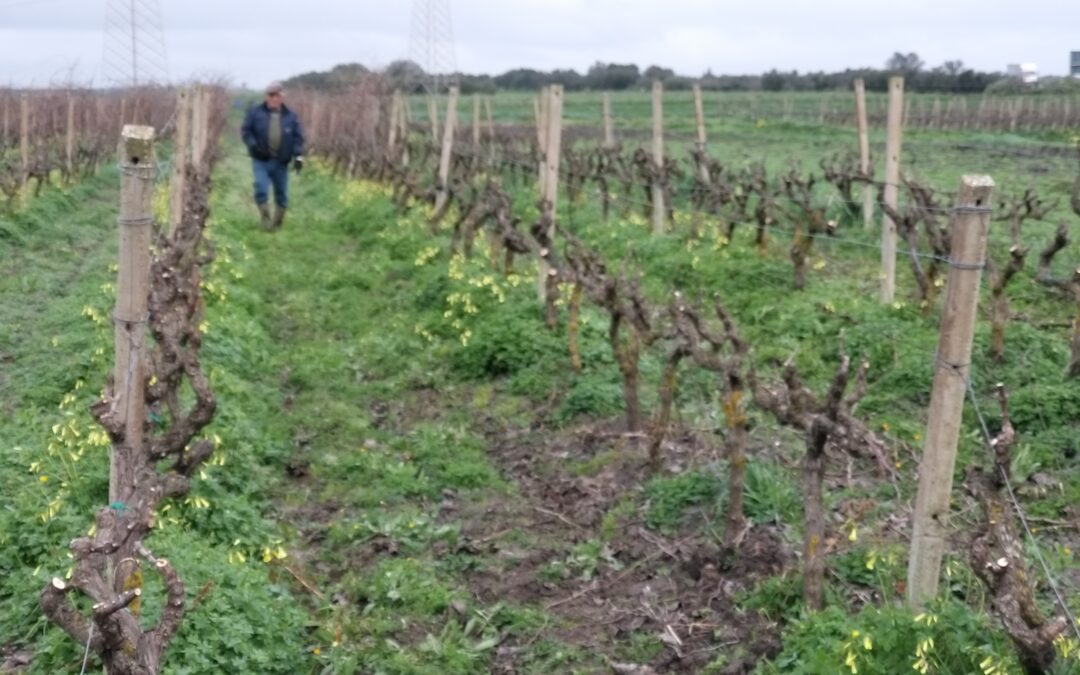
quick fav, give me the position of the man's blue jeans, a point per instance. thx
(271, 172)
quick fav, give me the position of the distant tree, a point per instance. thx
(653, 73)
(612, 76)
(571, 80)
(476, 84)
(521, 78)
(773, 81)
(405, 75)
(904, 64)
(951, 76)
(953, 67)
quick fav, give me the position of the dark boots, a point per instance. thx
(271, 223)
(264, 215)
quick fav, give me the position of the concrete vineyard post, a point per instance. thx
(658, 155)
(892, 181)
(609, 131)
(699, 120)
(180, 159)
(447, 149)
(951, 373)
(549, 184)
(138, 171)
(864, 151)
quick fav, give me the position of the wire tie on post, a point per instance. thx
(965, 266)
(131, 322)
(971, 209)
(143, 172)
(957, 368)
(135, 222)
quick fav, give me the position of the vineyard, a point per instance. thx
(586, 383)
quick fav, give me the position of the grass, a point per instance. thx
(367, 381)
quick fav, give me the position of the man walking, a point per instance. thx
(273, 138)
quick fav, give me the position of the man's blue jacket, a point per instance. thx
(256, 134)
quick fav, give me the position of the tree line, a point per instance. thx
(950, 77)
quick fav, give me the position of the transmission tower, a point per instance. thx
(431, 43)
(134, 49)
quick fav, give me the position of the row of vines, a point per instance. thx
(367, 134)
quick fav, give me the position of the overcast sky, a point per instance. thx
(253, 41)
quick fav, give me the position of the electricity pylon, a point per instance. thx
(431, 43)
(134, 47)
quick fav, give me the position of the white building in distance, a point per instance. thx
(1028, 73)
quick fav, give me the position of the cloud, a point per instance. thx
(254, 41)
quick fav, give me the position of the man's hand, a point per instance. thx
(298, 163)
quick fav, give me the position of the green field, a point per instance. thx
(412, 478)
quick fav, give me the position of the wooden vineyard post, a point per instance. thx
(490, 129)
(138, 171)
(475, 152)
(540, 108)
(892, 181)
(180, 159)
(536, 113)
(198, 126)
(549, 183)
(951, 373)
(447, 149)
(314, 121)
(433, 118)
(864, 152)
(476, 121)
(658, 156)
(699, 120)
(609, 130)
(69, 144)
(392, 124)
(24, 144)
(403, 123)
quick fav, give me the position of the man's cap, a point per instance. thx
(274, 88)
